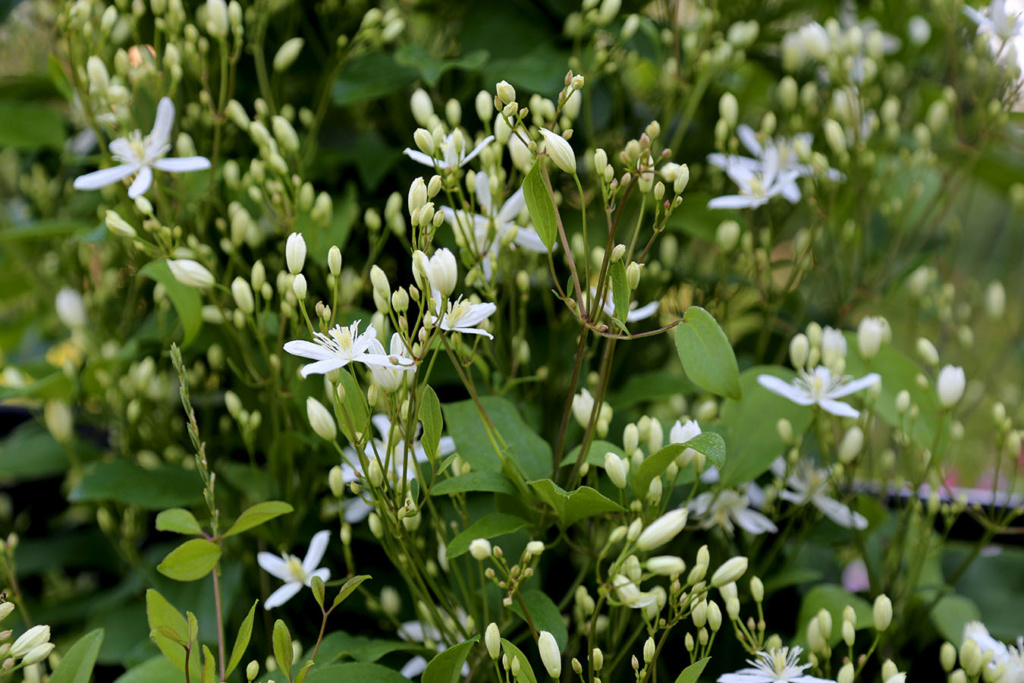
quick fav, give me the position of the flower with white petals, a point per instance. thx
(728, 509)
(453, 152)
(389, 446)
(1011, 659)
(140, 155)
(462, 316)
(820, 388)
(778, 665)
(758, 179)
(341, 346)
(635, 313)
(294, 572)
(390, 378)
(807, 484)
(996, 20)
(484, 233)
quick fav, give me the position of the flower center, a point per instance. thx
(343, 340)
(295, 569)
(457, 312)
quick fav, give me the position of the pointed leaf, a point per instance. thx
(316, 584)
(190, 561)
(348, 588)
(77, 664)
(209, 668)
(572, 507)
(163, 617)
(620, 290)
(541, 206)
(488, 526)
(242, 639)
(178, 520)
(526, 674)
(446, 667)
(258, 514)
(544, 613)
(475, 481)
(187, 301)
(430, 416)
(691, 673)
(282, 646)
(706, 354)
(710, 444)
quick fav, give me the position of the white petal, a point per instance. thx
(121, 148)
(323, 573)
(322, 367)
(385, 361)
(163, 124)
(356, 510)
(142, 183)
(414, 667)
(785, 389)
(476, 150)
(749, 139)
(483, 193)
(754, 522)
(103, 177)
(306, 349)
(791, 193)
(419, 157)
(274, 565)
(446, 446)
(742, 676)
(699, 505)
(839, 513)
(282, 595)
(472, 330)
(528, 239)
(182, 164)
(317, 548)
(477, 313)
(855, 385)
(642, 313)
(838, 408)
(512, 206)
(736, 201)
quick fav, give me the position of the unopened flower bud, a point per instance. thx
(729, 572)
(480, 549)
(287, 54)
(550, 655)
(295, 252)
(882, 613)
(950, 385)
(191, 273)
(320, 419)
(617, 469)
(663, 530)
(560, 151)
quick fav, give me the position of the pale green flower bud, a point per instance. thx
(889, 670)
(870, 334)
(417, 195)
(799, 350)
(70, 308)
(285, 134)
(608, 11)
(728, 109)
(995, 300)
(835, 137)
(59, 420)
(633, 275)
(99, 78)
(374, 473)
(320, 419)
(851, 445)
(729, 572)
(560, 151)
(506, 93)
(287, 54)
(682, 179)
(295, 252)
(480, 549)
(635, 527)
(217, 18)
(785, 430)
(550, 655)
(443, 272)
(242, 293)
(29, 640)
(714, 616)
(787, 92)
(37, 654)
(947, 656)
(950, 385)
(902, 401)
(663, 530)
(666, 565)
(422, 107)
(453, 112)
(927, 351)
(845, 673)
(492, 640)
(191, 273)
(336, 481)
(484, 105)
(727, 236)
(882, 613)
(236, 112)
(616, 468)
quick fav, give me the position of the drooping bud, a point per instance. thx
(560, 151)
(662, 530)
(729, 572)
(287, 54)
(191, 273)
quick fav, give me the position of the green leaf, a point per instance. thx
(348, 588)
(430, 416)
(356, 671)
(28, 125)
(620, 290)
(370, 77)
(710, 444)
(77, 664)
(595, 456)
(154, 670)
(282, 646)
(706, 354)
(530, 452)
(355, 406)
(30, 453)
(55, 385)
(190, 561)
(488, 526)
(316, 584)
(360, 648)
(834, 599)
(544, 613)
(526, 674)
(749, 426)
(474, 481)
(691, 673)
(259, 513)
(242, 639)
(187, 301)
(151, 489)
(161, 613)
(431, 68)
(951, 613)
(209, 666)
(178, 520)
(582, 503)
(541, 207)
(446, 667)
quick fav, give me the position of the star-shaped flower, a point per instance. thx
(759, 180)
(140, 155)
(341, 346)
(463, 316)
(995, 19)
(820, 388)
(453, 152)
(294, 572)
(807, 484)
(778, 665)
(1010, 658)
(728, 509)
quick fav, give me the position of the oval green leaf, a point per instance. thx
(541, 206)
(710, 444)
(491, 482)
(258, 514)
(691, 673)
(242, 639)
(706, 354)
(526, 674)
(187, 301)
(430, 416)
(178, 520)
(488, 526)
(190, 561)
(348, 588)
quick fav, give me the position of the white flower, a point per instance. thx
(294, 572)
(778, 665)
(950, 385)
(820, 388)
(484, 233)
(140, 155)
(635, 313)
(390, 448)
(995, 19)
(390, 378)
(728, 509)
(341, 346)
(807, 484)
(463, 316)
(70, 308)
(870, 335)
(759, 180)
(453, 152)
(1010, 658)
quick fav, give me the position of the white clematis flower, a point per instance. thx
(778, 665)
(727, 510)
(140, 155)
(294, 572)
(820, 388)
(341, 346)
(462, 316)
(1011, 659)
(453, 152)
(390, 378)
(759, 180)
(996, 20)
(390, 447)
(807, 484)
